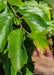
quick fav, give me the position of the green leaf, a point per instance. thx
(17, 51)
(5, 27)
(40, 40)
(2, 4)
(15, 2)
(35, 22)
(32, 7)
(28, 72)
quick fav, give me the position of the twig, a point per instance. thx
(6, 2)
(19, 19)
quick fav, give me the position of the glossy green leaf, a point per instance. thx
(5, 27)
(40, 40)
(30, 10)
(28, 72)
(2, 4)
(17, 51)
(35, 22)
(15, 2)
(32, 7)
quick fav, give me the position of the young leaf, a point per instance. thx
(40, 40)
(15, 2)
(17, 51)
(5, 27)
(2, 4)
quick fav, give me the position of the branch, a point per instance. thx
(19, 20)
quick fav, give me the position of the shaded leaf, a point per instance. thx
(6, 64)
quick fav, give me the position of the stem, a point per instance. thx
(19, 20)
